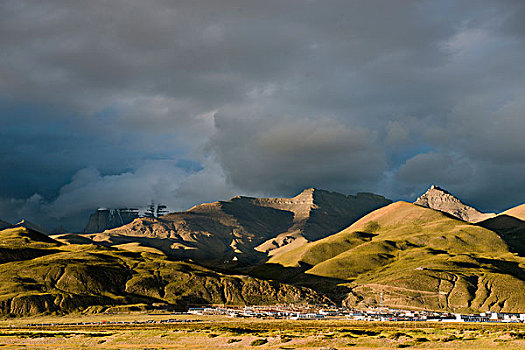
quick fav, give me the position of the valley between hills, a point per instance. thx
(318, 247)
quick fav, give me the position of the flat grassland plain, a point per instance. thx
(220, 332)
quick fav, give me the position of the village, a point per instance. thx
(293, 312)
(297, 312)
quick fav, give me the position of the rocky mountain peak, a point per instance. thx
(440, 199)
(306, 195)
(439, 189)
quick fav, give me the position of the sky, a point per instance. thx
(118, 103)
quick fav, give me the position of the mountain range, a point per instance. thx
(317, 247)
(242, 228)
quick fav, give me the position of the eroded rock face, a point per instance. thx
(439, 199)
(32, 304)
(105, 219)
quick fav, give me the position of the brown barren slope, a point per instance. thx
(248, 229)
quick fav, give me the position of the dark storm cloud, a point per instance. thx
(288, 154)
(436, 168)
(117, 103)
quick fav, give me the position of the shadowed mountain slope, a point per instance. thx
(439, 199)
(4, 224)
(25, 237)
(510, 225)
(510, 229)
(246, 228)
(417, 258)
(31, 226)
(42, 276)
(20, 243)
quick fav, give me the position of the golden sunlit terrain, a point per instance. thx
(144, 331)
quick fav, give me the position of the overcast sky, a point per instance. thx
(117, 103)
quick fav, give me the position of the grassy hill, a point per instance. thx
(416, 258)
(41, 275)
(22, 243)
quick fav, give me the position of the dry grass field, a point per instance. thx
(214, 332)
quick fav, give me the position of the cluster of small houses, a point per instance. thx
(315, 313)
(383, 314)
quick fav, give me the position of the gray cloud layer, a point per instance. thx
(118, 103)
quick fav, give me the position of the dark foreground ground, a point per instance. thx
(141, 331)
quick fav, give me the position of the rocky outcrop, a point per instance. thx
(105, 219)
(439, 199)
